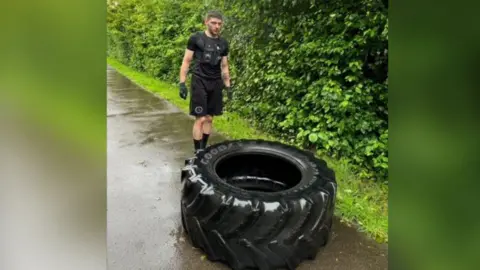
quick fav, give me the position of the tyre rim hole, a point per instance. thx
(259, 172)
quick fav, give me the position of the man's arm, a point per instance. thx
(187, 59)
(225, 71)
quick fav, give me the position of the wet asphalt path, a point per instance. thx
(148, 141)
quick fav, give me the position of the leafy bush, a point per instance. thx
(312, 72)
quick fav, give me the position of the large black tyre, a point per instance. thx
(256, 204)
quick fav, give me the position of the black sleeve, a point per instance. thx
(192, 43)
(226, 51)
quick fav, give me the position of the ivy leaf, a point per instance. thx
(323, 136)
(344, 104)
(350, 78)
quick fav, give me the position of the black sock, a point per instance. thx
(197, 144)
(205, 139)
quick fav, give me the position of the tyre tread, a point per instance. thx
(235, 242)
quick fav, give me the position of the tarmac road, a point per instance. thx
(148, 141)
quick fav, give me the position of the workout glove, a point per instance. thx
(183, 91)
(229, 93)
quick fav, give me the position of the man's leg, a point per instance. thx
(198, 108)
(207, 129)
(214, 105)
(198, 132)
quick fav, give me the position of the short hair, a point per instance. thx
(214, 14)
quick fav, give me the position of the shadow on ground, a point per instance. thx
(148, 141)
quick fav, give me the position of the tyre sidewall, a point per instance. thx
(307, 164)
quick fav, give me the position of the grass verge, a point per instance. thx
(363, 204)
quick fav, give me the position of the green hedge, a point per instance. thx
(312, 72)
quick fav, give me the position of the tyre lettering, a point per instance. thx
(314, 167)
(217, 150)
(206, 158)
(313, 180)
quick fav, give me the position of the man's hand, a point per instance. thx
(229, 93)
(183, 91)
(226, 77)
(187, 58)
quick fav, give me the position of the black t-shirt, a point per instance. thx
(208, 53)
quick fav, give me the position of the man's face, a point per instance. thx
(214, 25)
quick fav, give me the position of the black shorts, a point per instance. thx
(207, 97)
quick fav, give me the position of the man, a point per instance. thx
(210, 76)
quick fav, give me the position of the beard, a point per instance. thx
(213, 32)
